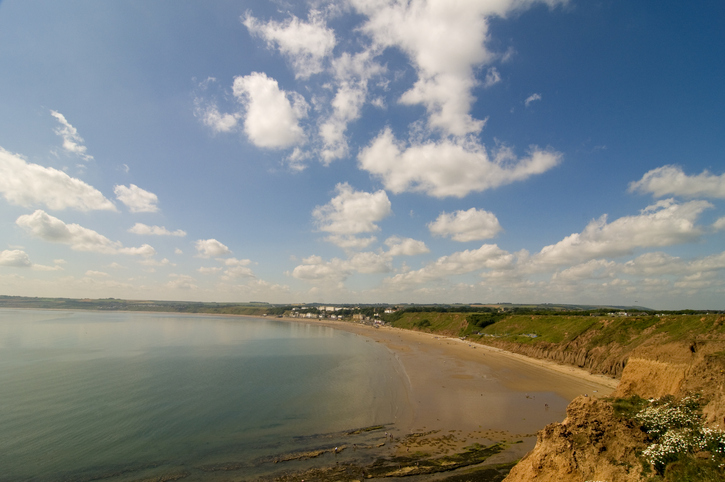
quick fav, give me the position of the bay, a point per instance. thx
(123, 396)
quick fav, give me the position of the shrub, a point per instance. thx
(677, 431)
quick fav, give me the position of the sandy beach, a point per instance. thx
(462, 393)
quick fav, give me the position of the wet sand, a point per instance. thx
(462, 393)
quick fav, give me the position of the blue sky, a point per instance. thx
(364, 151)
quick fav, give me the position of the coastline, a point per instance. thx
(457, 394)
(463, 393)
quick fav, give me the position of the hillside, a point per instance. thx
(601, 344)
(666, 364)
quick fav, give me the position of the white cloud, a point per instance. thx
(368, 262)
(271, 120)
(15, 258)
(209, 270)
(306, 44)
(493, 77)
(218, 121)
(532, 98)
(181, 282)
(352, 212)
(72, 141)
(448, 167)
(654, 264)
(663, 264)
(662, 224)
(346, 107)
(94, 273)
(699, 281)
(208, 248)
(719, 225)
(405, 246)
(346, 241)
(237, 268)
(445, 68)
(352, 73)
(592, 269)
(48, 228)
(26, 184)
(157, 263)
(40, 267)
(488, 256)
(136, 199)
(143, 229)
(463, 226)
(670, 180)
(315, 269)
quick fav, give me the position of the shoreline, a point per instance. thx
(463, 393)
(459, 393)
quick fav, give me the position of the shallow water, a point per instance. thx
(121, 396)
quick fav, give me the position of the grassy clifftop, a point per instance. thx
(535, 329)
(601, 344)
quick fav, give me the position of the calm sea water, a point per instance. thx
(124, 396)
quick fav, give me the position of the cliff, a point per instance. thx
(593, 443)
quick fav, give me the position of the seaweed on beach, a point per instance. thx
(400, 466)
(489, 473)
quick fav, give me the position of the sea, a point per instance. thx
(121, 396)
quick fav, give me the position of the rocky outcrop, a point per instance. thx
(590, 444)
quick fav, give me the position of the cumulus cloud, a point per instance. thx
(136, 199)
(493, 77)
(488, 256)
(26, 184)
(72, 141)
(305, 44)
(398, 246)
(663, 264)
(449, 167)
(352, 73)
(654, 264)
(218, 121)
(445, 68)
(670, 180)
(315, 269)
(157, 263)
(532, 98)
(592, 269)
(719, 225)
(15, 258)
(143, 229)
(463, 226)
(665, 223)
(270, 120)
(209, 270)
(352, 212)
(48, 228)
(369, 262)
(347, 241)
(208, 248)
(237, 268)
(181, 282)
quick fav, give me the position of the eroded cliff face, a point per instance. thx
(678, 369)
(606, 360)
(590, 444)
